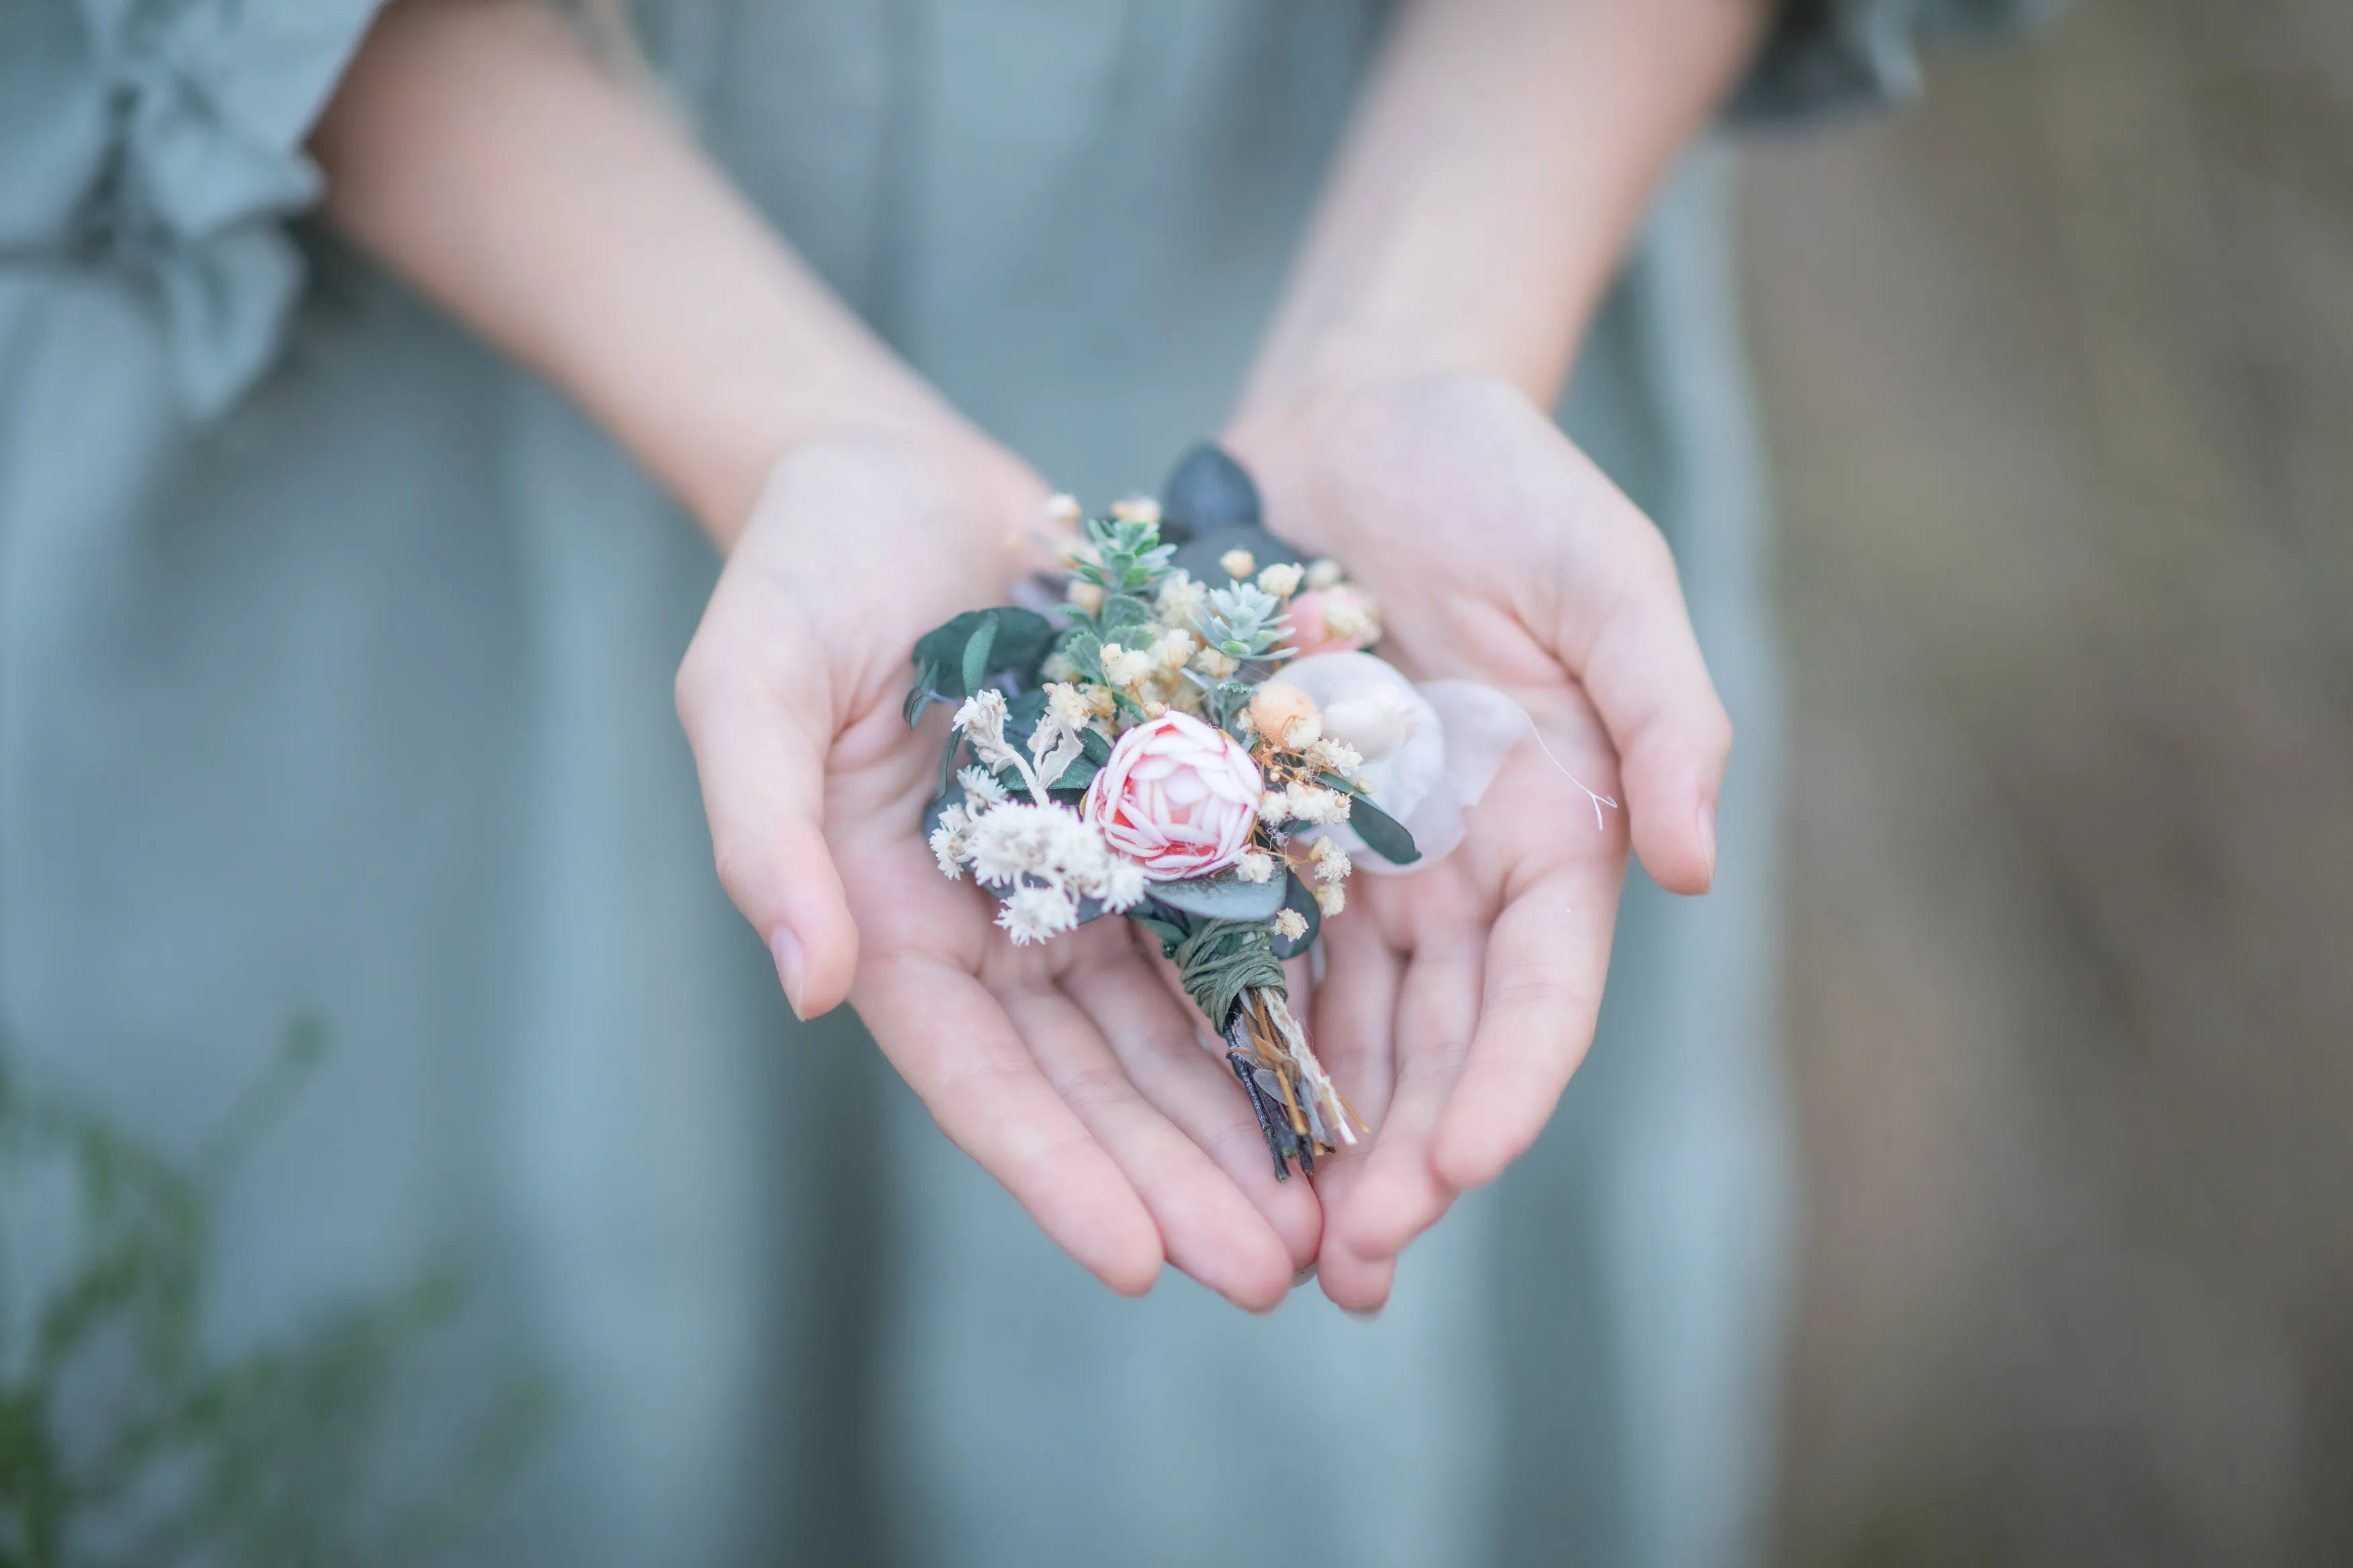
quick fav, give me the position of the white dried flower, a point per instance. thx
(1315, 805)
(1322, 573)
(1239, 564)
(1257, 866)
(1033, 914)
(1057, 666)
(982, 714)
(1291, 925)
(1086, 597)
(1273, 806)
(949, 849)
(1331, 862)
(1331, 898)
(1121, 885)
(1136, 509)
(981, 785)
(1062, 508)
(1281, 579)
(1180, 598)
(1003, 846)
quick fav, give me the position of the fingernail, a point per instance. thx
(1364, 1314)
(787, 949)
(1707, 835)
(1302, 1276)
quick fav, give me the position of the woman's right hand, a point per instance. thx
(1067, 1069)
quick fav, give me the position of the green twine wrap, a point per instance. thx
(1222, 959)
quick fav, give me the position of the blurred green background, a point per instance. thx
(2058, 371)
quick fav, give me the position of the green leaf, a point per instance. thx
(1296, 895)
(976, 654)
(1223, 897)
(1383, 834)
(1122, 612)
(1019, 647)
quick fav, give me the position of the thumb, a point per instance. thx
(761, 756)
(1647, 678)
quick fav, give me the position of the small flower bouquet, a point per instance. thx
(1193, 738)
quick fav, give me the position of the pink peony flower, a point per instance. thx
(1331, 620)
(1177, 797)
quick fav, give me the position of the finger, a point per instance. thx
(1643, 670)
(1547, 957)
(1208, 1229)
(1158, 1045)
(1400, 1195)
(953, 1043)
(761, 763)
(1354, 1019)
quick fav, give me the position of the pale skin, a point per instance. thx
(1495, 171)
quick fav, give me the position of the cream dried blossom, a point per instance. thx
(1239, 564)
(1258, 866)
(1332, 863)
(1216, 665)
(1180, 598)
(1173, 648)
(1281, 579)
(1069, 706)
(1062, 509)
(1125, 666)
(1322, 573)
(1291, 925)
(1136, 509)
(1275, 806)
(1330, 756)
(1057, 666)
(1332, 898)
(1086, 597)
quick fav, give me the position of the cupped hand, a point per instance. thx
(1065, 1069)
(1458, 999)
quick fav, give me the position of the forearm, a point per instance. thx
(1501, 158)
(479, 151)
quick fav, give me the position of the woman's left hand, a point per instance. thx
(1460, 998)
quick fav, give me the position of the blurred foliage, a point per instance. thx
(125, 1440)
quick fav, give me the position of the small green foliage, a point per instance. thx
(1245, 622)
(1127, 556)
(125, 1439)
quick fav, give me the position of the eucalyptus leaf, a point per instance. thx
(1009, 659)
(976, 654)
(1224, 897)
(1384, 835)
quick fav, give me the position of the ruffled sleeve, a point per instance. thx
(170, 145)
(1823, 57)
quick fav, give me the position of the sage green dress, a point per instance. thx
(335, 661)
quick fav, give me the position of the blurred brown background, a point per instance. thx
(2059, 373)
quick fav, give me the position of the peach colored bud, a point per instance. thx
(1278, 705)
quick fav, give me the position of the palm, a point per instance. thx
(1066, 1070)
(1458, 999)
